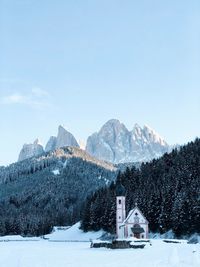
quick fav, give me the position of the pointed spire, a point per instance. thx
(120, 189)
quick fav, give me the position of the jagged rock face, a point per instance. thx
(51, 144)
(65, 138)
(146, 144)
(113, 143)
(30, 150)
(110, 143)
(116, 144)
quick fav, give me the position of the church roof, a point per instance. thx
(137, 230)
(120, 190)
(131, 212)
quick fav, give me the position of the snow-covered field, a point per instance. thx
(72, 234)
(51, 253)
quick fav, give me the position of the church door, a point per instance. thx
(137, 236)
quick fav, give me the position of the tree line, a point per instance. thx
(167, 190)
(33, 199)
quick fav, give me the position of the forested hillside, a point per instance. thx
(167, 191)
(39, 193)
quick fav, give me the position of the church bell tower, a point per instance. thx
(121, 210)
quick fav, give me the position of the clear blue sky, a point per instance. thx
(80, 63)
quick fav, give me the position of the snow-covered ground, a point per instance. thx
(72, 254)
(10, 238)
(51, 253)
(73, 234)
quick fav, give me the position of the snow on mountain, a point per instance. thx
(56, 172)
(30, 150)
(115, 143)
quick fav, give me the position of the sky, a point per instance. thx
(80, 63)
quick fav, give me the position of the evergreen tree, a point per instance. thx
(167, 191)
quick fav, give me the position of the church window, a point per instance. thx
(120, 201)
(119, 217)
(136, 218)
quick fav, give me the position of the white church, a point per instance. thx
(135, 224)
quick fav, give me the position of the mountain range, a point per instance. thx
(113, 143)
(59, 187)
(64, 138)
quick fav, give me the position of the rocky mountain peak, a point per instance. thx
(113, 124)
(65, 138)
(31, 150)
(37, 142)
(153, 136)
(51, 144)
(115, 143)
(137, 131)
(61, 128)
(110, 143)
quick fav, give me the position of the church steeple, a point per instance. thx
(121, 210)
(120, 189)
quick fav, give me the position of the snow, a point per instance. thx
(72, 254)
(65, 163)
(73, 234)
(56, 172)
(52, 253)
(176, 240)
(10, 238)
(167, 235)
